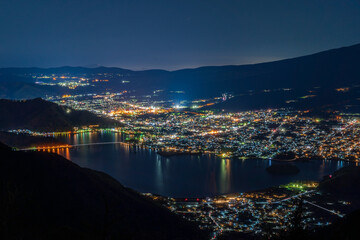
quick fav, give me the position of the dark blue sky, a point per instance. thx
(171, 34)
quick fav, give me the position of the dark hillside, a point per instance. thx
(38, 114)
(343, 183)
(45, 196)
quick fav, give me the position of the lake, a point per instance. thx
(182, 176)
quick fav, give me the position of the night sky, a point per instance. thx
(171, 34)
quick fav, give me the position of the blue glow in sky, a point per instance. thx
(171, 34)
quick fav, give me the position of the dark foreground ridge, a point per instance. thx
(41, 115)
(45, 196)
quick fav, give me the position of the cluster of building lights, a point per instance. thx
(260, 213)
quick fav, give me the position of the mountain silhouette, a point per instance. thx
(45, 196)
(320, 73)
(38, 114)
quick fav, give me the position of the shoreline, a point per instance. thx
(175, 153)
(184, 153)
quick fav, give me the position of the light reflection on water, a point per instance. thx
(182, 176)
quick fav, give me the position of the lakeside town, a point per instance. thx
(265, 213)
(277, 134)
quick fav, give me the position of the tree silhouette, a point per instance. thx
(296, 229)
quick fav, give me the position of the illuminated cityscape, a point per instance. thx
(264, 134)
(264, 213)
(281, 135)
(179, 120)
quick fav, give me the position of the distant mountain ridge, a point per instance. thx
(38, 114)
(324, 71)
(343, 51)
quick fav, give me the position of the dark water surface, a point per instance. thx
(182, 176)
